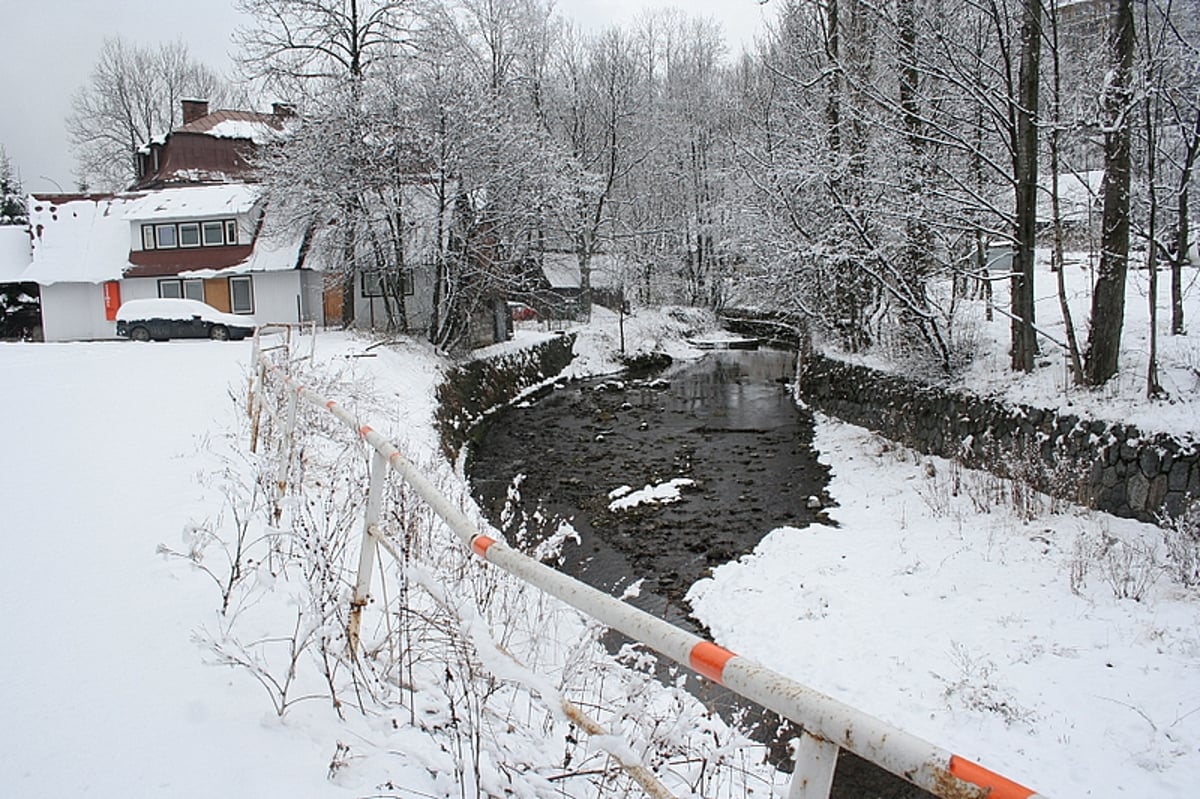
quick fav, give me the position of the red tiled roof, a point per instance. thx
(166, 263)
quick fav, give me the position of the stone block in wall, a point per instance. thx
(1157, 494)
(1177, 476)
(1138, 491)
(1150, 462)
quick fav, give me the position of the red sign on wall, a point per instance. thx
(112, 300)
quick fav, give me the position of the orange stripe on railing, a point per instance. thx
(709, 659)
(481, 544)
(976, 774)
(329, 405)
(365, 430)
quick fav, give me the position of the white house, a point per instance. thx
(207, 242)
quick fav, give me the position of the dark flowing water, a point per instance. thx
(727, 423)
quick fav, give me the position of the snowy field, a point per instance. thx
(986, 628)
(105, 694)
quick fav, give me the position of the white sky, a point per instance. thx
(51, 45)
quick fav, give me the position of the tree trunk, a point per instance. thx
(1024, 340)
(1057, 264)
(1183, 242)
(1108, 300)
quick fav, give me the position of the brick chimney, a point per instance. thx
(193, 110)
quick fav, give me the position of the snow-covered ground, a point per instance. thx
(104, 692)
(961, 626)
(994, 633)
(995, 630)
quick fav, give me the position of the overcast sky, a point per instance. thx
(51, 45)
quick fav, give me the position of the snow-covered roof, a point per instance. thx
(274, 250)
(78, 239)
(230, 124)
(88, 239)
(15, 252)
(193, 202)
(562, 270)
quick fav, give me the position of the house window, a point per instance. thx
(165, 236)
(191, 289)
(189, 234)
(241, 294)
(374, 282)
(214, 235)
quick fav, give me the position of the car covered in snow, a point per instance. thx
(165, 318)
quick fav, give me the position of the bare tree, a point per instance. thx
(1108, 302)
(593, 118)
(1055, 124)
(1025, 168)
(132, 97)
(296, 45)
(318, 53)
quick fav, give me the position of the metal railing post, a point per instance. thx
(256, 403)
(366, 555)
(285, 451)
(816, 760)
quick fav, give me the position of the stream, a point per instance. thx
(726, 430)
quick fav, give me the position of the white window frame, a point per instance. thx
(148, 237)
(191, 288)
(170, 289)
(158, 237)
(231, 231)
(217, 226)
(191, 226)
(233, 296)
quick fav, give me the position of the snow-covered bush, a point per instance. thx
(1181, 534)
(1129, 567)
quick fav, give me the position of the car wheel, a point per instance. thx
(139, 333)
(219, 333)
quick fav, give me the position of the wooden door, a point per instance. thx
(216, 293)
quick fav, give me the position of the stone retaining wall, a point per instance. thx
(1109, 466)
(475, 388)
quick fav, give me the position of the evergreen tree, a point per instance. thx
(20, 310)
(12, 198)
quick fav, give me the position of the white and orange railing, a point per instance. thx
(827, 724)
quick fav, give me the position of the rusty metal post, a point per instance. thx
(366, 554)
(816, 760)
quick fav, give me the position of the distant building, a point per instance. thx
(193, 225)
(215, 147)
